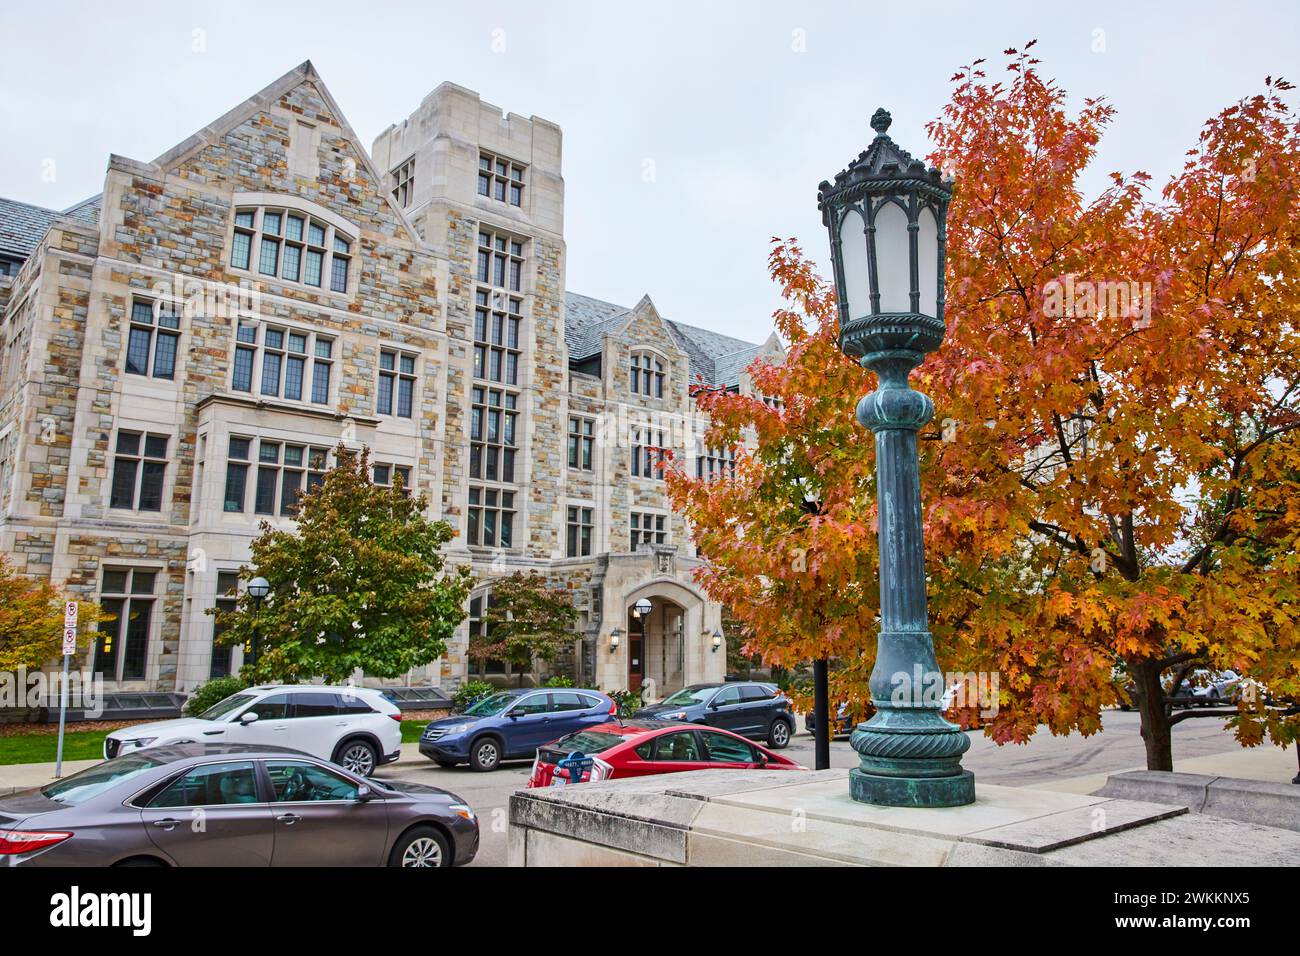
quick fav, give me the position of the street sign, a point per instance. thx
(70, 614)
(69, 640)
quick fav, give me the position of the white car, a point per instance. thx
(357, 728)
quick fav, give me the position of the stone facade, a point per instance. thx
(265, 290)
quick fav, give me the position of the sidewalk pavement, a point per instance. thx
(1269, 763)
(20, 776)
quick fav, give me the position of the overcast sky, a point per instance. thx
(693, 132)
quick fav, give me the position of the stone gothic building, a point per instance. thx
(180, 354)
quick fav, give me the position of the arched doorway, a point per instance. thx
(657, 647)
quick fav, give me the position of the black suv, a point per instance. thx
(752, 709)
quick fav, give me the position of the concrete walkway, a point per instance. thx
(20, 776)
(1268, 763)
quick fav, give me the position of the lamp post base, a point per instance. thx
(955, 791)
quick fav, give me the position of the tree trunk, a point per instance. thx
(1155, 719)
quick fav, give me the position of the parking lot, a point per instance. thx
(1043, 760)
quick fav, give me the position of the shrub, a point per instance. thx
(470, 693)
(627, 701)
(559, 680)
(214, 691)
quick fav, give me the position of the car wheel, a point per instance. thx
(422, 846)
(779, 736)
(357, 756)
(485, 754)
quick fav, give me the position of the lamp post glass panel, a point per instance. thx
(886, 214)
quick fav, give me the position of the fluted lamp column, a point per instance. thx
(886, 214)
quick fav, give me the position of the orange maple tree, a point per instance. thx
(1112, 481)
(789, 539)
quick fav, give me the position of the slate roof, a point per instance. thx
(714, 358)
(23, 226)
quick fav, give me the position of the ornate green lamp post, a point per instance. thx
(886, 214)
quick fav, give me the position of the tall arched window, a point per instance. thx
(647, 375)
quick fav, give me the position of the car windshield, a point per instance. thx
(88, 783)
(489, 706)
(222, 708)
(587, 742)
(690, 695)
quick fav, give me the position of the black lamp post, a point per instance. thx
(886, 215)
(821, 668)
(258, 589)
(642, 609)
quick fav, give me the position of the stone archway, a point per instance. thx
(671, 652)
(657, 648)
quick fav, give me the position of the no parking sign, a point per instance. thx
(70, 628)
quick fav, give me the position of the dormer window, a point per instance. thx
(647, 376)
(291, 245)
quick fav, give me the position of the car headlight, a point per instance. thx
(458, 729)
(462, 810)
(676, 715)
(139, 742)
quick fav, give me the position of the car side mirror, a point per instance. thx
(247, 717)
(364, 794)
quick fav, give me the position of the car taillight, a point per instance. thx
(397, 717)
(599, 770)
(613, 709)
(28, 841)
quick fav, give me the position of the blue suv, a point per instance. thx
(512, 724)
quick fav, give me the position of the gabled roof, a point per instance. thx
(714, 358)
(23, 226)
(270, 95)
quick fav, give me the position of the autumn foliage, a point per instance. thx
(1110, 483)
(790, 540)
(31, 621)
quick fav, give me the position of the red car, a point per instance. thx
(637, 748)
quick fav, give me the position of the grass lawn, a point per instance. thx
(411, 730)
(42, 748)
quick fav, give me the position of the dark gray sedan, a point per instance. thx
(232, 805)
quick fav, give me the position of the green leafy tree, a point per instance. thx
(31, 621)
(359, 584)
(526, 619)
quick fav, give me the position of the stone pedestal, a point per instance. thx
(771, 818)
